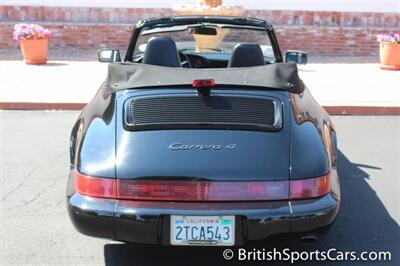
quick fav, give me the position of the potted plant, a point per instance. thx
(389, 50)
(33, 40)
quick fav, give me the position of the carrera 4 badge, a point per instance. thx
(201, 147)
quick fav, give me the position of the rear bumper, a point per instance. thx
(149, 222)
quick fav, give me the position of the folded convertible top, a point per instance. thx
(281, 76)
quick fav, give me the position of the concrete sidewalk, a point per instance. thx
(360, 88)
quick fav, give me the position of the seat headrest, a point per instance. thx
(246, 55)
(161, 51)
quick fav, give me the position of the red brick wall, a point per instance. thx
(356, 41)
(82, 36)
(338, 33)
(79, 14)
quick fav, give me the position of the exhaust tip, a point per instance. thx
(309, 238)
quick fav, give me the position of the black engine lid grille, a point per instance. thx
(231, 112)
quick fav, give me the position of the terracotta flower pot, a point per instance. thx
(390, 56)
(35, 51)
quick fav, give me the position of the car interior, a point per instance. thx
(162, 51)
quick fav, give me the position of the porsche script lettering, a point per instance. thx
(201, 147)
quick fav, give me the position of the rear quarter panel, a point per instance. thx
(313, 138)
(92, 141)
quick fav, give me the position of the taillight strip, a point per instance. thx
(202, 190)
(173, 190)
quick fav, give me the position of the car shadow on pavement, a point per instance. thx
(363, 224)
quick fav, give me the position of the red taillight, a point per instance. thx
(95, 186)
(309, 188)
(199, 83)
(165, 190)
(202, 190)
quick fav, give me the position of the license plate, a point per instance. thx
(203, 230)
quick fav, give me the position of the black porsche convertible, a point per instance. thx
(204, 135)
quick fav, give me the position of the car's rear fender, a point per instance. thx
(92, 140)
(313, 138)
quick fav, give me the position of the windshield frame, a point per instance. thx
(237, 22)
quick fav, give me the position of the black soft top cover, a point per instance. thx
(280, 76)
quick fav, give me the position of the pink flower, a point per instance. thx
(23, 31)
(390, 37)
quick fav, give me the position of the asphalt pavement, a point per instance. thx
(35, 228)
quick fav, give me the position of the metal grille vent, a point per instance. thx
(194, 111)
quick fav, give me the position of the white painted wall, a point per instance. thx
(316, 5)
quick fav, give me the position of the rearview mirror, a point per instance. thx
(203, 31)
(108, 56)
(298, 57)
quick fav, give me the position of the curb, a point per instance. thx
(361, 110)
(332, 110)
(41, 106)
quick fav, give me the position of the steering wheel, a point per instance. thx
(185, 60)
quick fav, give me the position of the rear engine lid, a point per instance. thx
(217, 155)
(217, 138)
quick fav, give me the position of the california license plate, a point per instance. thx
(203, 230)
